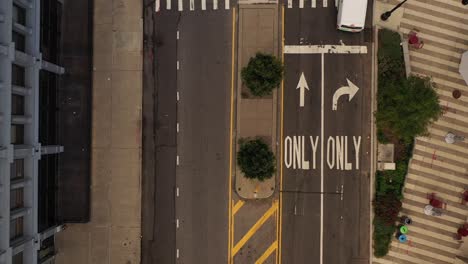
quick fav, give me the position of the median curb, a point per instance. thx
(256, 117)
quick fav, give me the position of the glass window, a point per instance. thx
(17, 169)
(17, 134)
(16, 198)
(20, 41)
(17, 75)
(17, 104)
(16, 228)
(19, 15)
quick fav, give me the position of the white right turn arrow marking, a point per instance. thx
(351, 90)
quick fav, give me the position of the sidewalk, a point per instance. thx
(436, 167)
(113, 234)
(256, 117)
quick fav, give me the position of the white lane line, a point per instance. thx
(180, 5)
(177, 253)
(192, 5)
(226, 4)
(177, 223)
(178, 65)
(215, 4)
(317, 49)
(203, 4)
(314, 4)
(177, 192)
(177, 160)
(168, 4)
(178, 96)
(177, 34)
(289, 3)
(177, 127)
(321, 160)
(157, 5)
(325, 3)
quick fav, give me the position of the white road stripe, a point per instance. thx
(325, 3)
(321, 160)
(226, 4)
(168, 4)
(314, 4)
(192, 5)
(180, 5)
(215, 4)
(289, 3)
(157, 5)
(203, 4)
(317, 49)
(301, 3)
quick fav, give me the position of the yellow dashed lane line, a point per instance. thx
(255, 228)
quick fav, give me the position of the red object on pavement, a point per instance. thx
(462, 231)
(413, 39)
(436, 203)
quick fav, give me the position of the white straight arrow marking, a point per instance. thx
(351, 90)
(157, 5)
(302, 85)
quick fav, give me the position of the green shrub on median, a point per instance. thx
(255, 159)
(263, 73)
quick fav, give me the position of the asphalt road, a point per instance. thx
(191, 96)
(346, 215)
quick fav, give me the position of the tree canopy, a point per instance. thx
(407, 107)
(256, 160)
(262, 74)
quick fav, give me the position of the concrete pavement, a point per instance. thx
(113, 234)
(436, 166)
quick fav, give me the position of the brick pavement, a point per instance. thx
(436, 166)
(113, 234)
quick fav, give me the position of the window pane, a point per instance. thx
(17, 104)
(17, 134)
(16, 228)
(17, 169)
(19, 15)
(17, 75)
(16, 198)
(20, 41)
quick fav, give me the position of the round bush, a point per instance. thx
(256, 160)
(263, 74)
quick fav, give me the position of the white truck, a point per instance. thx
(351, 15)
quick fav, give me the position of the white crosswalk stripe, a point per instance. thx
(305, 3)
(191, 5)
(437, 166)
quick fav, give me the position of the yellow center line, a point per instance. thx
(267, 253)
(255, 228)
(280, 211)
(230, 229)
(237, 206)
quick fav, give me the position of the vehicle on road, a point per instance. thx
(351, 15)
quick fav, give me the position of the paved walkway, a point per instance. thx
(113, 234)
(436, 166)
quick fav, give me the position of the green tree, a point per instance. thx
(407, 107)
(256, 159)
(262, 74)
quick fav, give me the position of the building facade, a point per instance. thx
(29, 151)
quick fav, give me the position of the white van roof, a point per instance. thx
(353, 12)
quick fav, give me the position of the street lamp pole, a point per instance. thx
(387, 14)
